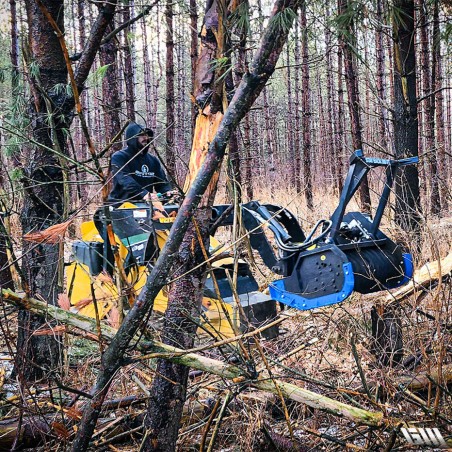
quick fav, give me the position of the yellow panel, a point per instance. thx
(217, 314)
(90, 232)
(127, 205)
(78, 282)
(105, 291)
(162, 237)
(106, 294)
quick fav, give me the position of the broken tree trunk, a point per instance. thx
(203, 363)
(423, 379)
(260, 70)
(422, 279)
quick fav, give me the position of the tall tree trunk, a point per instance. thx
(43, 180)
(248, 177)
(240, 70)
(297, 131)
(170, 126)
(289, 120)
(429, 110)
(405, 116)
(339, 134)
(43, 183)
(14, 46)
(150, 79)
(111, 102)
(5, 271)
(193, 51)
(348, 44)
(129, 70)
(268, 143)
(380, 76)
(169, 386)
(437, 85)
(332, 152)
(167, 392)
(306, 108)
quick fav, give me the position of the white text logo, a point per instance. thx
(424, 436)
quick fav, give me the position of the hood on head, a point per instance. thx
(133, 130)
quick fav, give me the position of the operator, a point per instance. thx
(136, 173)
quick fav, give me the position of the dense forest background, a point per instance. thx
(299, 86)
(301, 131)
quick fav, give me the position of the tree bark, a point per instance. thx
(43, 183)
(439, 110)
(405, 117)
(428, 113)
(348, 44)
(331, 151)
(297, 125)
(380, 76)
(170, 126)
(129, 70)
(339, 129)
(111, 103)
(306, 108)
(193, 52)
(169, 386)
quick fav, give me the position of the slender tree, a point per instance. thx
(193, 49)
(297, 107)
(339, 119)
(111, 102)
(437, 84)
(380, 77)
(306, 108)
(405, 115)
(51, 113)
(129, 70)
(428, 111)
(43, 184)
(170, 125)
(335, 166)
(347, 38)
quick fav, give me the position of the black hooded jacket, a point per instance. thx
(135, 174)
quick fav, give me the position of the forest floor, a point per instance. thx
(329, 351)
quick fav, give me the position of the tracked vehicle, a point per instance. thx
(345, 253)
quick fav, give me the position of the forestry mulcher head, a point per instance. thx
(350, 252)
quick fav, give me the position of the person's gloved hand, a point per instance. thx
(151, 197)
(158, 211)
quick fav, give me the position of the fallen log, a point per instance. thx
(422, 278)
(238, 375)
(30, 432)
(423, 379)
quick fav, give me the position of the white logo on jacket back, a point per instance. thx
(144, 172)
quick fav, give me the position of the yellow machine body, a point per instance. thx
(90, 293)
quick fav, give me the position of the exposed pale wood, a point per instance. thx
(423, 379)
(422, 278)
(206, 127)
